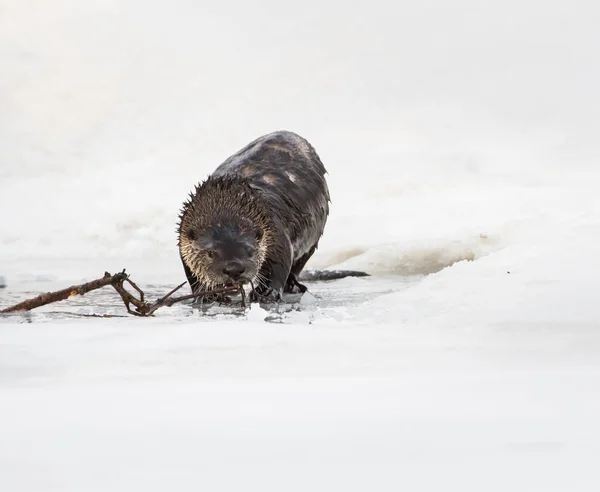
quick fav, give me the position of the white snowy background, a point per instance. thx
(461, 140)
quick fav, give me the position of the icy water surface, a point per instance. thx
(328, 299)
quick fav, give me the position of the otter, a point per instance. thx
(257, 219)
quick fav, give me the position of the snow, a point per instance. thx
(461, 144)
(266, 406)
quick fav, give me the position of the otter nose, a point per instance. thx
(233, 270)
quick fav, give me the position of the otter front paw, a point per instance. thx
(292, 286)
(269, 295)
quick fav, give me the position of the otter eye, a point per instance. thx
(191, 234)
(210, 254)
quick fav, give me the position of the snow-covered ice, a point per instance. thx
(463, 158)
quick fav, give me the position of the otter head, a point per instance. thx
(223, 253)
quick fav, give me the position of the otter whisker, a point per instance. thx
(262, 280)
(243, 294)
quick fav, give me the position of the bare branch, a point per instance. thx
(140, 306)
(63, 294)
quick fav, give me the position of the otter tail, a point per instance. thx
(323, 275)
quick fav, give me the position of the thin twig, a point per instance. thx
(226, 290)
(129, 299)
(161, 302)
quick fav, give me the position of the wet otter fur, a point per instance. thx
(256, 219)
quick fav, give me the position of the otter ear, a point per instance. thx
(258, 234)
(191, 234)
